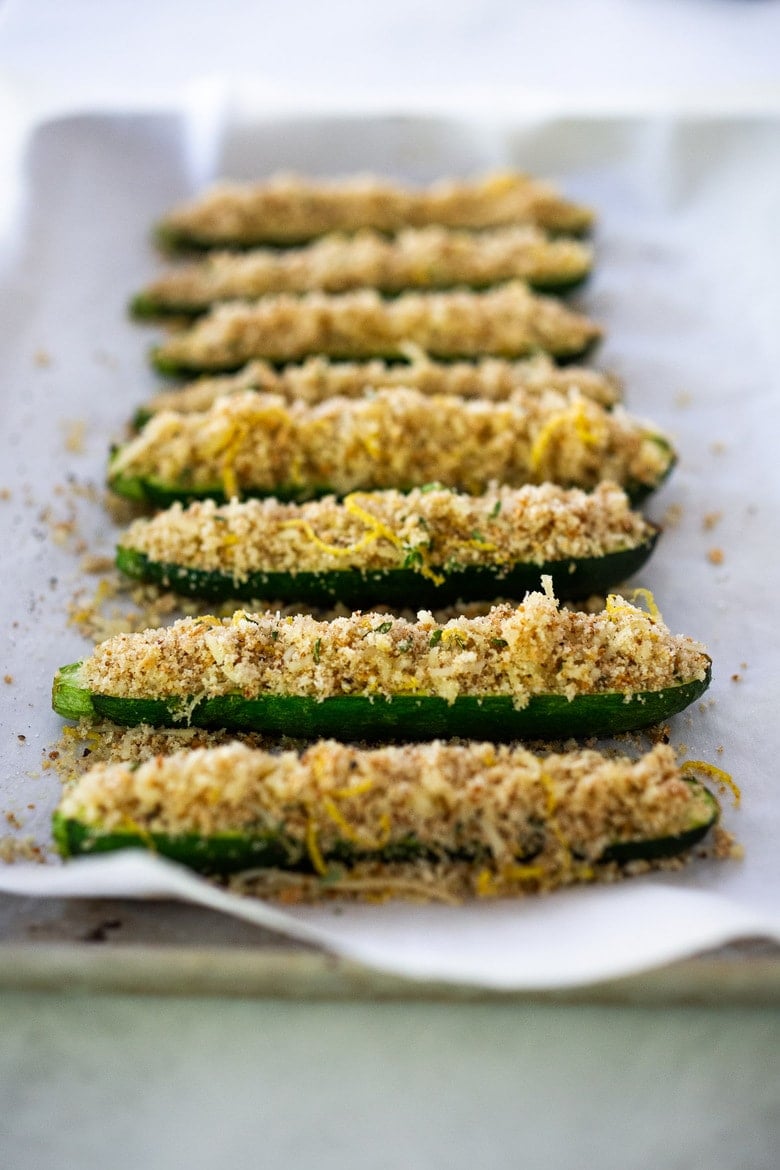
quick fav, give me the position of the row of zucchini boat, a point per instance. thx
(381, 417)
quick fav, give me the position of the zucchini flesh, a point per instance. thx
(376, 717)
(228, 852)
(360, 588)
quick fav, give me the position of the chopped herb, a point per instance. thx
(495, 510)
(499, 643)
(477, 535)
(435, 638)
(274, 635)
(385, 628)
(405, 645)
(432, 487)
(413, 558)
(317, 648)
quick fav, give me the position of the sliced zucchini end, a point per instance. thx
(69, 697)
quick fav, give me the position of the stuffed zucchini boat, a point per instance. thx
(288, 209)
(258, 444)
(508, 321)
(532, 670)
(318, 379)
(429, 547)
(430, 258)
(511, 818)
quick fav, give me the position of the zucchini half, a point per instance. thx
(507, 321)
(362, 588)
(375, 717)
(231, 852)
(428, 259)
(234, 807)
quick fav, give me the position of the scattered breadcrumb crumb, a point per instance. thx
(93, 563)
(683, 399)
(736, 678)
(75, 430)
(715, 556)
(5, 493)
(13, 849)
(673, 515)
(8, 679)
(718, 447)
(42, 358)
(711, 520)
(13, 820)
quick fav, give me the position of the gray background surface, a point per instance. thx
(87, 1081)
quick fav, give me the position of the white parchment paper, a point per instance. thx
(687, 286)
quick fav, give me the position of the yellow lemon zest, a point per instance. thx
(485, 885)
(714, 773)
(132, 826)
(381, 529)
(334, 550)
(354, 835)
(313, 847)
(615, 604)
(552, 806)
(575, 416)
(480, 545)
(514, 872)
(355, 790)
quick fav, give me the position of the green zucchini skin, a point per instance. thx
(146, 307)
(359, 589)
(230, 852)
(375, 717)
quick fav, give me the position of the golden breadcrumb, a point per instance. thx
(318, 379)
(259, 444)
(507, 321)
(533, 648)
(423, 529)
(288, 209)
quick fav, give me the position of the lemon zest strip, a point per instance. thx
(714, 773)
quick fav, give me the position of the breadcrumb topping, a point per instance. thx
(508, 321)
(531, 649)
(288, 208)
(259, 443)
(317, 379)
(430, 258)
(496, 803)
(378, 530)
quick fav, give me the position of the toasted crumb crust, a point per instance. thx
(534, 648)
(394, 439)
(289, 209)
(500, 802)
(430, 258)
(317, 379)
(507, 321)
(504, 526)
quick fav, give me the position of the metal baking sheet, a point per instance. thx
(686, 287)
